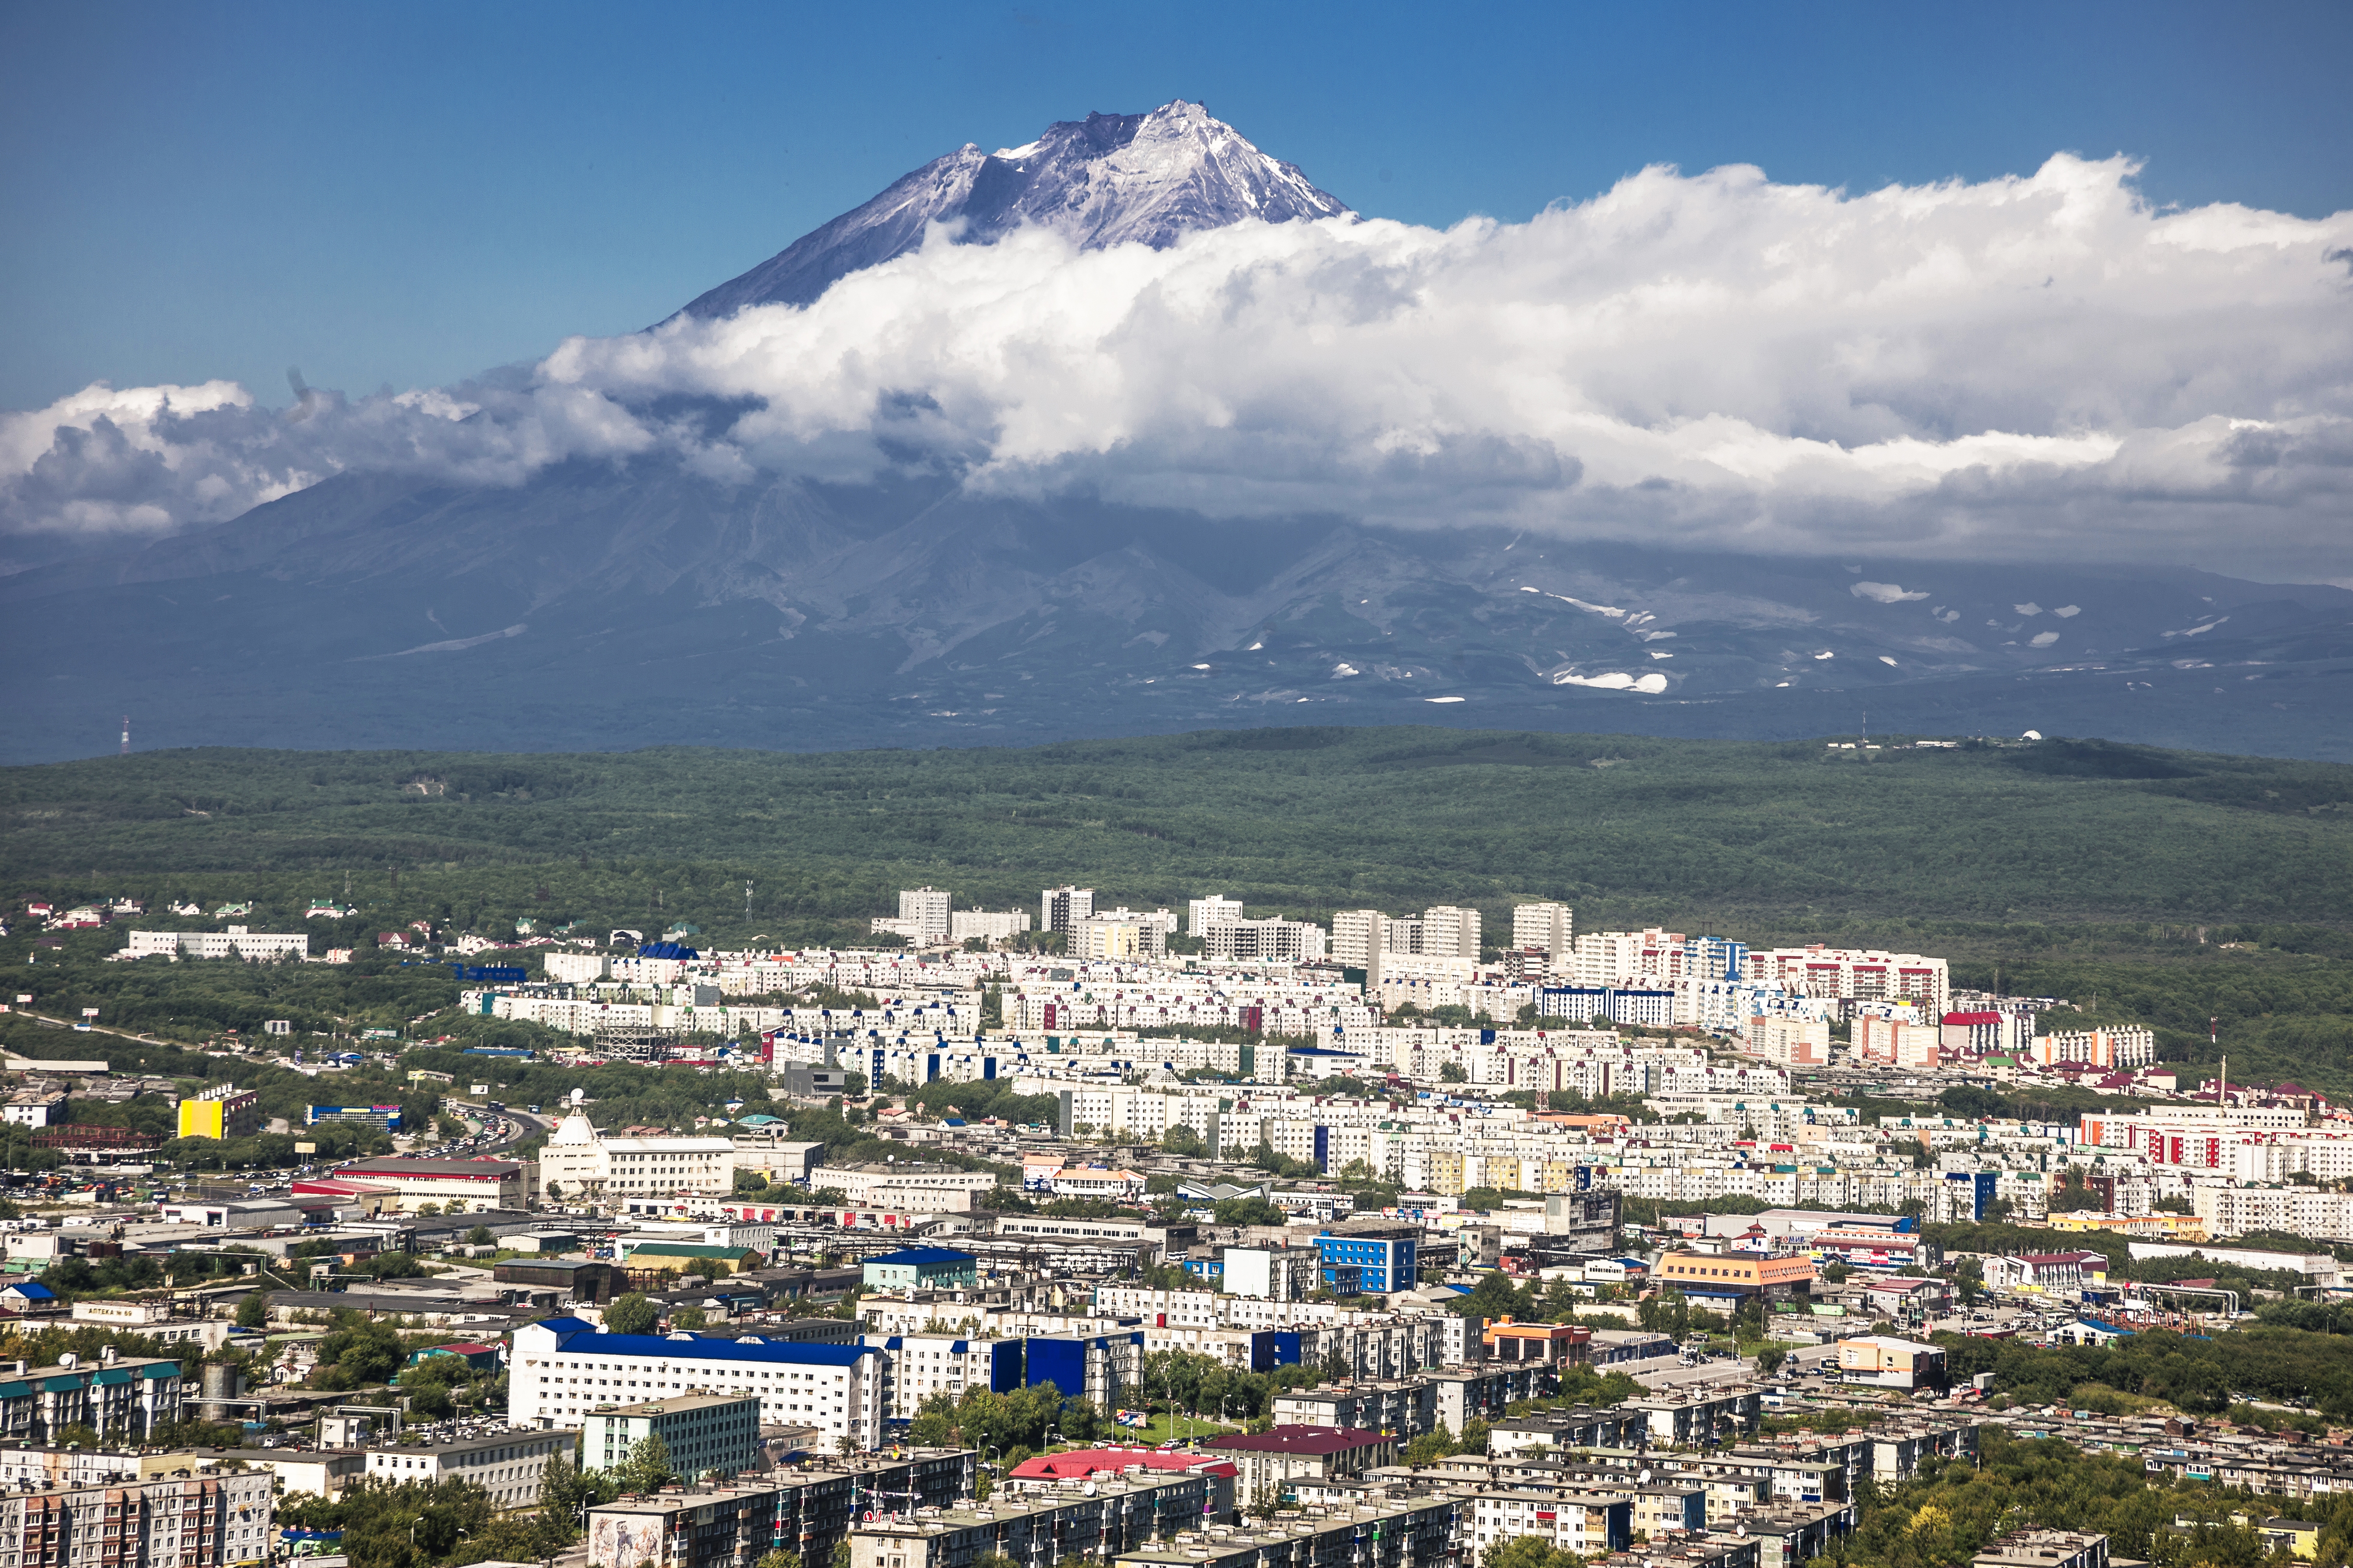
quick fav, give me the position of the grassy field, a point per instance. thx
(2166, 887)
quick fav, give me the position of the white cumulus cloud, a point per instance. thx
(2040, 365)
(1883, 593)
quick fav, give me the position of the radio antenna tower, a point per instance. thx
(126, 735)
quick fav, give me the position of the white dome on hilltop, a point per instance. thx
(573, 1129)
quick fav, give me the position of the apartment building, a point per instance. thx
(1406, 1406)
(1591, 1525)
(1200, 914)
(1443, 930)
(1549, 928)
(213, 1518)
(704, 1434)
(2116, 1049)
(115, 1394)
(924, 910)
(988, 925)
(1414, 1533)
(1101, 1519)
(1274, 1461)
(1121, 935)
(509, 1465)
(1065, 908)
(808, 1512)
(1885, 1042)
(920, 1365)
(1264, 942)
(1790, 1042)
(1858, 974)
(1274, 1273)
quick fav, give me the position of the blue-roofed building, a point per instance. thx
(923, 1269)
(28, 1296)
(565, 1370)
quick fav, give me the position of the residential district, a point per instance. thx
(1653, 1152)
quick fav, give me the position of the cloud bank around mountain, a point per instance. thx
(2037, 366)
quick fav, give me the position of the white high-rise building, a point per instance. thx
(1356, 937)
(1063, 909)
(1443, 931)
(1450, 932)
(1295, 940)
(1546, 926)
(1202, 913)
(925, 909)
(1860, 974)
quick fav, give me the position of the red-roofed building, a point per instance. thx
(1082, 1464)
(479, 1357)
(364, 1196)
(1970, 1033)
(452, 1186)
(1272, 1461)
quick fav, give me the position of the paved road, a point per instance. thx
(1667, 1378)
(82, 1025)
(520, 1124)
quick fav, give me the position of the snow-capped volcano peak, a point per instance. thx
(1108, 179)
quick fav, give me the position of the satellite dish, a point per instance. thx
(577, 1095)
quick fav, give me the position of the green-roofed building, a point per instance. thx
(692, 1257)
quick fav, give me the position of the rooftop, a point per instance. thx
(1297, 1440)
(923, 1257)
(484, 1170)
(580, 1338)
(682, 1403)
(460, 1445)
(1080, 1463)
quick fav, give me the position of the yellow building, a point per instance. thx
(2149, 1227)
(2300, 1536)
(1446, 1172)
(1740, 1274)
(223, 1112)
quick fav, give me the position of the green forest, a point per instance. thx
(2141, 885)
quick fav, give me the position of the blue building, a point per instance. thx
(1379, 1258)
(1101, 1367)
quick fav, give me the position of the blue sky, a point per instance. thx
(406, 195)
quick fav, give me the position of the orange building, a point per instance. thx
(1736, 1274)
(1548, 1344)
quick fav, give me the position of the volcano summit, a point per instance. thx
(1109, 179)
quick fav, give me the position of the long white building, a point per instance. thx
(565, 1367)
(580, 1162)
(235, 942)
